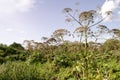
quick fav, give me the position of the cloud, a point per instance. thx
(9, 29)
(110, 5)
(15, 30)
(13, 6)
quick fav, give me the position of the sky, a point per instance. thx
(31, 19)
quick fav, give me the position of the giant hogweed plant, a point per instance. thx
(88, 21)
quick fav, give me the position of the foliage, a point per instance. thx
(63, 62)
(18, 71)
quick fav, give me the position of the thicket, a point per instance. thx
(62, 62)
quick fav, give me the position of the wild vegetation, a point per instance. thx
(62, 62)
(59, 59)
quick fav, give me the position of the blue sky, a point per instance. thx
(31, 19)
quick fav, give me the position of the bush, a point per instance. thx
(63, 61)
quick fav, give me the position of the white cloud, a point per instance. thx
(9, 29)
(19, 31)
(110, 5)
(12, 6)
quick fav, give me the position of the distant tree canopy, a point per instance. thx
(17, 46)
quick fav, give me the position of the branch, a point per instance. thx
(75, 19)
(98, 22)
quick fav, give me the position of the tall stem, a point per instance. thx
(85, 53)
(81, 37)
(86, 36)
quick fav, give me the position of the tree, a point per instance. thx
(17, 46)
